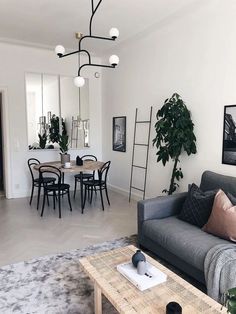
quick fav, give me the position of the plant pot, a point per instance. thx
(65, 158)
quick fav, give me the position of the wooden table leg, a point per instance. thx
(97, 299)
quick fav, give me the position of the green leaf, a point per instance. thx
(42, 140)
(64, 143)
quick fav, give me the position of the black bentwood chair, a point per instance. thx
(56, 190)
(85, 176)
(36, 181)
(101, 184)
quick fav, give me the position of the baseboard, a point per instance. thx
(134, 196)
(20, 194)
(23, 194)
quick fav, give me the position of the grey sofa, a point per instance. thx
(179, 243)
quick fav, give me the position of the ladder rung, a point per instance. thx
(139, 167)
(140, 144)
(133, 187)
(148, 121)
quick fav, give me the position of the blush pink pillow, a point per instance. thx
(222, 221)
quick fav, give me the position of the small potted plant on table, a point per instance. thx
(64, 147)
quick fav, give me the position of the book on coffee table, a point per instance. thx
(152, 277)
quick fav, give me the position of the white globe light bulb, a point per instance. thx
(114, 60)
(79, 81)
(60, 50)
(114, 33)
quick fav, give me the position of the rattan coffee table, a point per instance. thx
(126, 298)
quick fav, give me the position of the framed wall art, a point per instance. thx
(229, 136)
(119, 134)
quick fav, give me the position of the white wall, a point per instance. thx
(15, 61)
(192, 53)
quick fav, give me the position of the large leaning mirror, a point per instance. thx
(56, 106)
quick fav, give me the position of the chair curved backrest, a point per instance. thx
(32, 162)
(89, 157)
(102, 173)
(52, 170)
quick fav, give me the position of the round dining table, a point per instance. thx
(88, 166)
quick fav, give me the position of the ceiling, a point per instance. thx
(48, 23)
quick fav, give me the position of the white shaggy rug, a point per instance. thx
(53, 284)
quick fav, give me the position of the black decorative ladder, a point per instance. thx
(149, 122)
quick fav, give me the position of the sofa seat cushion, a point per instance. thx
(182, 239)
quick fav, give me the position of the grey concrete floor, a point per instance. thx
(25, 235)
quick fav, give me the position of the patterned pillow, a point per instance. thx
(197, 206)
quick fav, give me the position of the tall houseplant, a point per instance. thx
(174, 135)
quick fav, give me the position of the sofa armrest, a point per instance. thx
(159, 207)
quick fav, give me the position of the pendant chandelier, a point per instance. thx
(79, 81)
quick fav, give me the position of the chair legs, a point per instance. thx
(54, 200)
(47, 198)
(59, 195)
(91, 195)
(85, 196)
(68, 195)
(108, 201)
(32, 193)
(44, 196)
(59, 203)
(75, 187)
(102, 187)
(100, 190)
(39, 190)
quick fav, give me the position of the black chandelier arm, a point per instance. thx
(94, 37)
(91, 19)
(104, 38)
(77, 51)
(95, 65)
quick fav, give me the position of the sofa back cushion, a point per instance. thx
(197, 206)
(222, 221)
(215, 181)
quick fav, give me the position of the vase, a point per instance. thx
(173, 308)
(65, 158)
(79, 161)
(142, 268)
(138, 257)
